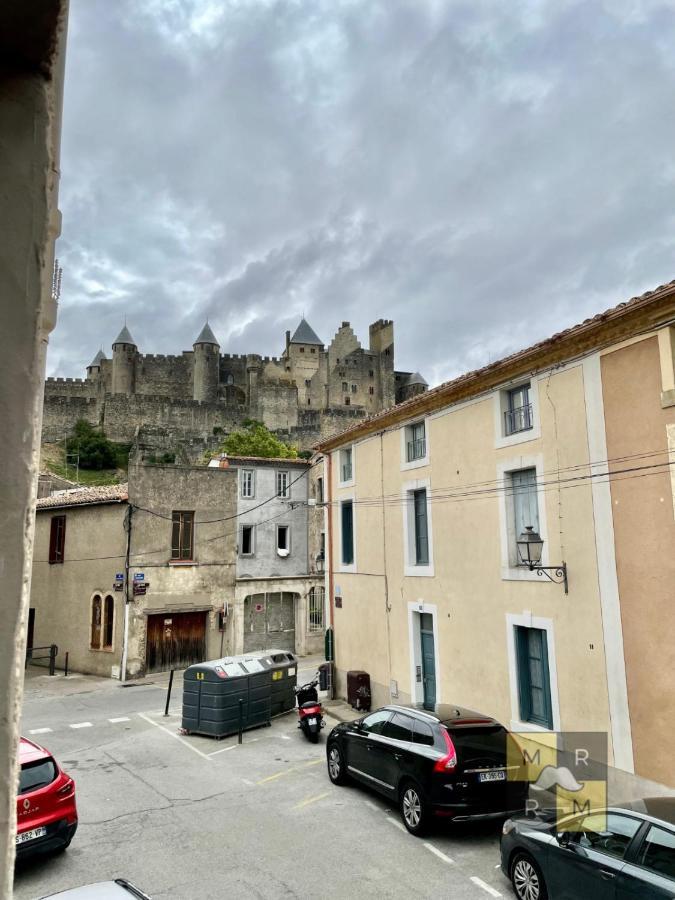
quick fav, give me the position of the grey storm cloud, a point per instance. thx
(483, 173)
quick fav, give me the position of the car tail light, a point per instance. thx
(67, 788)
(447, 763)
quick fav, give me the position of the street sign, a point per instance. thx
(139, 589)
(119, 576)
(139, 576)
(118, 586)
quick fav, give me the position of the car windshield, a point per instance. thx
(36, 775)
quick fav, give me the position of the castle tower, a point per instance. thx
(124, 363)
(206, 371)
(94, 367)
(382, 343)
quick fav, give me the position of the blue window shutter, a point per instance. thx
(347, 533)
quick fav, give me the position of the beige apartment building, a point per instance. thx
(572, 440)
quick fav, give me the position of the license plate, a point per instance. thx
(311, 721)
(31, 835)
(499, 775)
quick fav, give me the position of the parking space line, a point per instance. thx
(174, 735)
(119, 719)
(439, 854)
(314, 762)
(81, 725)
(223, 750)
(486, 887)
(40, 731)
(372, 806)
(397, 824)
(310, 800)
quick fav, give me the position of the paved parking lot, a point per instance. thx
(190, 817)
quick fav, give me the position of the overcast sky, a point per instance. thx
(484, 173)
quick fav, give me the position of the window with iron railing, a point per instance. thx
(518, 415)
(316, 604)
(416, 442)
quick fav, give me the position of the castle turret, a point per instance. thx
(382, 343)
(206, 372)
(124, 363)
(94, 367)
(253, 374)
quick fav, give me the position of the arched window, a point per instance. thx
(96, 614)
(229, 378)
(316, 604)
(108, 622)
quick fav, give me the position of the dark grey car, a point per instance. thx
(626, 852)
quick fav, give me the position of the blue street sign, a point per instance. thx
(119, 576)
(139, 576)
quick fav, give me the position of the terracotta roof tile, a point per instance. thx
(86, 496)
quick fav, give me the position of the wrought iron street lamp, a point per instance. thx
(320, 561)
(530, 546)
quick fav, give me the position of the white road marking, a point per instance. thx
(397, 824)
(174, 735)
(224, 750)
(40, 731)
(81, 725)
(246, 781)
(285, 737)
(438, 853)
(486, 887)
(310, 800)
(119, 719)
(372, 806)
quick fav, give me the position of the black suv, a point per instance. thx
(450, 763)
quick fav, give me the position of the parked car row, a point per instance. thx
(454, 764)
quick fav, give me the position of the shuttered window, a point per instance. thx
(282, 484)
(96, 616)
(108, 622)
(534, 684)
(182, 535)
(347, 516)
(247, 483)
(421, 528)
(57, 539)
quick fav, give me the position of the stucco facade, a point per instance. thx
(432, 497)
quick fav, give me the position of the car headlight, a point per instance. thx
(508, 826)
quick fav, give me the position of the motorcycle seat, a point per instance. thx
(309, 704)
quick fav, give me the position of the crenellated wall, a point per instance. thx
(61, 412)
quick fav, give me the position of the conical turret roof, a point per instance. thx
(416, 378)
(96, 361)
(124, 337)
(206, 336)
(305, 334)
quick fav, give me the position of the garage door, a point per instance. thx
(175, 640)
(269, 621)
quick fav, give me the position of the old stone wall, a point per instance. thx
(69, 387)
(169, 376)
(61, 413)
(122, 415)
(277, 404)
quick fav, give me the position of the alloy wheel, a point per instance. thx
(526, 880)
(334, 763)
(412, 808)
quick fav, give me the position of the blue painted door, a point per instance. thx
(428, 661)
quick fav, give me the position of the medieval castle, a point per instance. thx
(188, 402)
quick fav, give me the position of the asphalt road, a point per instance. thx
(189, 817)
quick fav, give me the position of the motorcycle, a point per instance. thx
(310, 712)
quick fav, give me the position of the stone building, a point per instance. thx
(189, 401)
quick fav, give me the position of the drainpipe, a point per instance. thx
(328, 481)
(127, 599)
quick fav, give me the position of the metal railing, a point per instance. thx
(417, 449)
(518, 419)
(51, 656)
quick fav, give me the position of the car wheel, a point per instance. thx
(337, 771)
(414, 810)
(527, 880)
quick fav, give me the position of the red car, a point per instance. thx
(45, 806)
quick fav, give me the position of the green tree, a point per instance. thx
(94, 449)
(254, 439)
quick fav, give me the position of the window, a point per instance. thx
(57, 539)
(371, 374)
(607, 833)
(282, 484)
(354, 388)
(371, 390)
(421, 531)
(346, 468)
(302, 349)
(416, 444)
(347, 401)
(523, 484)
(309, 402)
(182, 535)
(423, 734)
(400, 728)
(518, 412)
(108, 622)
(247, 483)
(37, 775)
(658, 852)
(319, 490)
(229, 379)
(246, 546)
(387, 351)
(345, 387)
(312, 349)
(308, 382)
(375, 722)
(96, 616)
(347, 527)
(283, 540)
(534, 685)
(316, 604)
